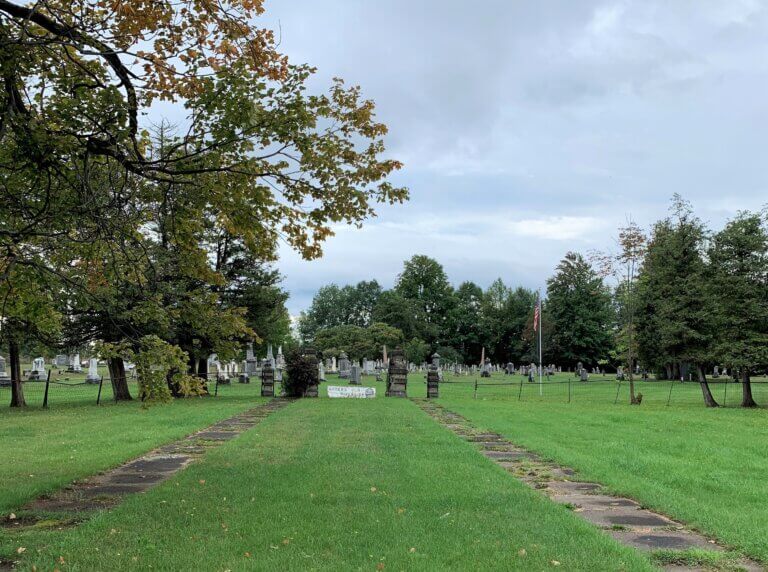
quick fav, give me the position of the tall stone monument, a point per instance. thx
(5, 378)
(38, 369)
(267, 379)
(344, 366)
(74, 364)
(433, 378)
(397, 377)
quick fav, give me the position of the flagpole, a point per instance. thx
(541, 323)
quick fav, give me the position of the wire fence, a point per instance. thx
(61, 388)
(727, 393)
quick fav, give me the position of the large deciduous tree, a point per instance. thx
(255, 155)
(579, 307)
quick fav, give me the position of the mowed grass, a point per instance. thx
(43, 450)
(706, 467)
(335, 485)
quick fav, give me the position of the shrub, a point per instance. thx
(301, 372)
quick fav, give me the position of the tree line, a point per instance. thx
(676, 303)
(155, 242)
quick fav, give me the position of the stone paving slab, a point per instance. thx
(624, 519)
(107, 489)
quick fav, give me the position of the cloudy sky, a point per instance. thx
(529, 129)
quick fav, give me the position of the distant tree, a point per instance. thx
(464, 327)
(397, 311)
(423, 281)
(624, 266)
(580, 310)
(356, 341)
(416, 350)
(738, 279)
(334, 306)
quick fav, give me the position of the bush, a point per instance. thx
(301, 372)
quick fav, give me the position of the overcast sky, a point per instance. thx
(529, 129)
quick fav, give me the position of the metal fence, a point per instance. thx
(71, 389)
(727, 393)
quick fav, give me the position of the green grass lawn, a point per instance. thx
(42, 450)
(335, 485)
(706, 467)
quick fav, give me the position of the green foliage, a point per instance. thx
(155, 360)
(674, 322)
(424, 282)
(333, 306)
(580, 312)
(738, 284)
(358, 342)
(301, 372)
(416, 350)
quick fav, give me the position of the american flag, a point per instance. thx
(536, 313)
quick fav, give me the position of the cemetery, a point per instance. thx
(251, 319)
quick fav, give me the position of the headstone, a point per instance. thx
(60, 360)
(509, 369)
(320, 371)
(583, 375)
(270, 356)
(5, 379)
(355, 375)
(74, 364)
(397, 376)
(620, 373)
(716, 373)
(251, 362)
(93, 371)
(38, 369)
(344, 366)
(267, 379)
(280, 361)
(486, 368)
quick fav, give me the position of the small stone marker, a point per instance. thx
(433, 378)
(355, 375)
(93, 371)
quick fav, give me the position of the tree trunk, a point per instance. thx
(192, 366)
(17, 389)
(202, 368)
(709, 401)
(173, 387)
(746, 389)
(118, 379)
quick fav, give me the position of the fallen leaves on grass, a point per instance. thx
(11, 516)
(380, 566)
(522, 552)
(412, 549)
(554, 563)
(21, 550)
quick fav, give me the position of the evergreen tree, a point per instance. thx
(738, 279)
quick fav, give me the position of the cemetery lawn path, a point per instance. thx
(336, 485)
(705, 467)
(43, 450)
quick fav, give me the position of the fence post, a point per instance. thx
(216, 389)
(725, 393)
(671, 385)
(569, 389)
(101, 384)
(520, 393)
(475, 396)
(615, 401)
(47, 383)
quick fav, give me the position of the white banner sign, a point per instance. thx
(351, 391)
